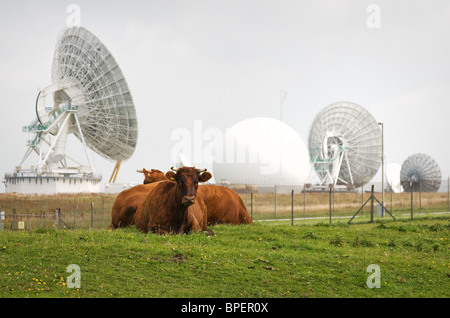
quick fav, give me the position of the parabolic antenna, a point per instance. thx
(345, 145)
(89, 97)
(85, 74)
(420, 172)
(393, 177)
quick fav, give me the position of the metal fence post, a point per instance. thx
(304, 201)
(292, 207)
(371, 203)
(14, 222)
(448, 194)
(420, 196)
(330, 204)
(412, 203)
(58, 218)
(92, 215)
(74, 211)
(275, 202)
(251, 205)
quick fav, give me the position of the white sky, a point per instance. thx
(222, 61)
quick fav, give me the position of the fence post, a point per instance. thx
(362, 199)
(371, 204)
(92, 215)
(330, 202)
(28, 227)
(101, 209)
(391, 199)
(14, 222)
(251, 205)
(420, 196)
(448, 194)
(275, 202)
(304, 201)
(292, 207)
(74, 211)
(412, 204)
(58, 218)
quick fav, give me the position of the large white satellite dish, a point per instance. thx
(420, 172)
(345, 145)
(89, 98)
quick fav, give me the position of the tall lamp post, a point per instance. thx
(382, 168)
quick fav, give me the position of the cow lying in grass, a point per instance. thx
(224, 206)
(173, 206)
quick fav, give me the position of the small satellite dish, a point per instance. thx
(345, 145)
(421, 173)
(89, 98)
(393, 177)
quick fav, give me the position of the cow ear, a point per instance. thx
(205, 176)
(170, 175)
(145, 171)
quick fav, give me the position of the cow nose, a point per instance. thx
(188, 200)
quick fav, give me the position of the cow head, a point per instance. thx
(187, 179)
(153, 175)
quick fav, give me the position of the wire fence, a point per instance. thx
(290, 203)
(61, 211)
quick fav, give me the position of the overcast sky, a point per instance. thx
(222, 61)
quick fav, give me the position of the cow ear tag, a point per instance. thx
(170, 175)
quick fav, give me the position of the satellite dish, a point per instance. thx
(393, 177)
(421, 173)
(89, 98)
(345, 145)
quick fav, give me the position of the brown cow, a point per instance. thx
(173, 205)
(224, 205)
(127, 203)
(153, 175)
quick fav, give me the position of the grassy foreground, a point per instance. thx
(261, 260)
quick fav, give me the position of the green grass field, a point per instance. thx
(265, 260)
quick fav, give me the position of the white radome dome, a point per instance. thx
(261, 151)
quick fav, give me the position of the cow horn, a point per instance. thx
(201, 170)
(140, 171)
(174, 169)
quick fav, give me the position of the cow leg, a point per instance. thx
(113, 226)
(209, 232)
(158, 229)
